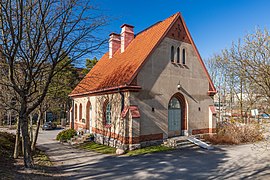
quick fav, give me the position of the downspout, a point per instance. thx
(122, 108)
(122, 100)
(72, 115)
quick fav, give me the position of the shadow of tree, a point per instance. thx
(14, 169)
(224, 162)
(177, 164)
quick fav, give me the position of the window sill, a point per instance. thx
(180, 65)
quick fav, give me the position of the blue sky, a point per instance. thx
(213, 24)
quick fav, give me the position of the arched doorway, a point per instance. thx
(89, 116)
(177, 123)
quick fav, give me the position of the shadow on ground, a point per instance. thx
(14, 169)
(177, 164)
(228, 162)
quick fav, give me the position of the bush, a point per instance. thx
(7, 141)
(65, 135)
(234, 133)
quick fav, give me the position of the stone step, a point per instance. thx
(185, 144)
(188, 146)
(196, 141)
(180, 141)
(79, 139)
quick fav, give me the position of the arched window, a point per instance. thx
(184, 56)
(88, 111)
(174, 104)
(80, 112)
(172, 54)
(178, 55)
(107, 112)
(174, 115)
(76, 112)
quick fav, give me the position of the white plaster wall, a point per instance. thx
(161, 84)
(97, 110)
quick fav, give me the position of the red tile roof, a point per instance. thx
(134, 110)
(122, 68)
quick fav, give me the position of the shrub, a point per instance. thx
(235, 133)
(65, 135)
(7, 141)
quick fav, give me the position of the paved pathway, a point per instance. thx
(233, 162)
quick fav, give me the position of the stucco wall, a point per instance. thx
(83, 100)
(97, 116)
(161, 84)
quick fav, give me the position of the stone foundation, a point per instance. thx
(110, 142)
(101, 139)
(151, 143)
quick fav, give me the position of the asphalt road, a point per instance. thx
(224, 162)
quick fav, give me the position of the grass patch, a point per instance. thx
(148, 150)
(41, 159)
(92, 146)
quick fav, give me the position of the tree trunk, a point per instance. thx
(18, 133)
(22, 146)
(31, 128)
(1, 119)
(40, 117)
(28, 160)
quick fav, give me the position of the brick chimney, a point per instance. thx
(127, 35)
(114, 43)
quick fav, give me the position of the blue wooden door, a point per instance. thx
(174, 117)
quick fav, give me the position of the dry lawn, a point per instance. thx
(236, 133)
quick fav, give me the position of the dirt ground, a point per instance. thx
(14, 169)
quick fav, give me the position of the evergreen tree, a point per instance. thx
(89, 63)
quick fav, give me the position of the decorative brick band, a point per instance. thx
(203, 131)
(151, 137)
(128, 140)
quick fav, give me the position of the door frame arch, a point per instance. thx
(180, 97)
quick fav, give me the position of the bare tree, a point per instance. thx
(245, 71)
(256, 60)
(36, 36)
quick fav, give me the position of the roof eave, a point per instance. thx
(106, 90)
(212, 89)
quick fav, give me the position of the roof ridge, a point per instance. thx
(156, 23)
(148, 28)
